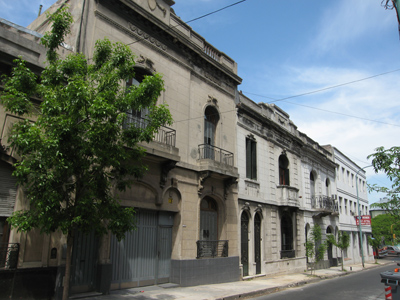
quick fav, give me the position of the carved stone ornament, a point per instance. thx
(152, 4)
(145, 36)
(146, 62)
(212, 100)
(227, 184)
(202, 178)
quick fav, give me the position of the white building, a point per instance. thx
(285, 187)
(349, 176)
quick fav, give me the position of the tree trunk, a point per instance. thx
(70, 243)
(341, 250)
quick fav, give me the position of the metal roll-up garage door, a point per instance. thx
(144, 256)
(8, 190)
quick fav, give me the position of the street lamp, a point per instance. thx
(359, 216)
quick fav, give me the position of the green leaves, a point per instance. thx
(388, 162)
(78, 153)
(18, 89)
(62, 21)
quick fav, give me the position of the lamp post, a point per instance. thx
(359, 216)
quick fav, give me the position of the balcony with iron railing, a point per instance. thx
(207, 249)
(164, 139)
(212, 158)
(325, 204)
(9, 256)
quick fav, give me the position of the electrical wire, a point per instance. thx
(323, 89)
(195, 19)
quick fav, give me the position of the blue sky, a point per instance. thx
(288, 48)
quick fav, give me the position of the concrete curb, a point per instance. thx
(271, 290)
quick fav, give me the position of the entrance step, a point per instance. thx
(85, 295)
(169, 285)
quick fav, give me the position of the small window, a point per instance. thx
(251, 158)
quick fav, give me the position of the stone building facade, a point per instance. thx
(232, 189)
(187, 201)
(287, 185)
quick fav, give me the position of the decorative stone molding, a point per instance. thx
(166, 167)
(146, 62)
(212, 78)
(212, 100)
(202, 178)
(153, 4)
(146, 37)
(227, 184)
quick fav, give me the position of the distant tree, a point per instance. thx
(315, 248)
(342, 242)
(80, 151)
(385, 226)
(388, 162)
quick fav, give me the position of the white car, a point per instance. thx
(393, 250)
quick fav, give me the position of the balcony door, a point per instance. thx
(208, 220)
(211, 118)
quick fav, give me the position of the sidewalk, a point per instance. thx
(232, 290)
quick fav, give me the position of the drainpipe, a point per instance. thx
(40, 10)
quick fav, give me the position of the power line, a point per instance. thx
(323, 89)
(195, 19)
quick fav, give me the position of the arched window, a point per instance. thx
(287, 236)
(208, 219)
(283, 170)
(211, 119)
(137, 118)
(327, 187)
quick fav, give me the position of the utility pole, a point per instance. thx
(359, 216)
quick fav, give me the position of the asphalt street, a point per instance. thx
(363, 285)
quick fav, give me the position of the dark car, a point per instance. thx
(393, 250)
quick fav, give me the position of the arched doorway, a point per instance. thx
(257, 242)
(208, 219)
(287, 237)
(244, 243)
(330, 248)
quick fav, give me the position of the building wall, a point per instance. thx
(346, 173)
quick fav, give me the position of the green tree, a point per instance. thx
(80, 152)
(315, 248)
(383, 226)
(388, 162)
(342, 242)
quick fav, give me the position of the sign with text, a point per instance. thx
(365, 220)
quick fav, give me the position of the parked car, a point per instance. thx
(380, 252)
(393, 250)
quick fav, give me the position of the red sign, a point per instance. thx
(365, 220)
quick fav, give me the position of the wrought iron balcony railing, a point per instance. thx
(288, 254)
(164, 135)
(217, 154)
(212, 249)
(9, 256)
(326, 203)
